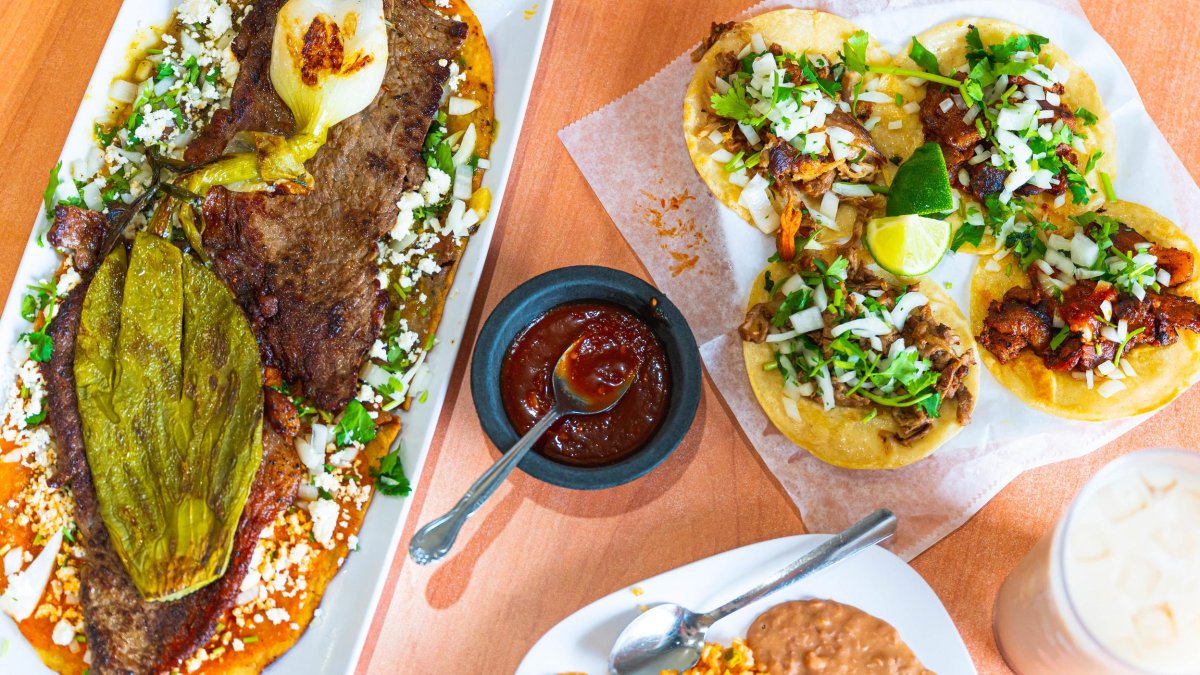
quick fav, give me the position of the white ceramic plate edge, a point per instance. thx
(875, 581)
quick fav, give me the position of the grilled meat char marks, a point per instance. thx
(1024, 318)
(303, 267)
(958, 138)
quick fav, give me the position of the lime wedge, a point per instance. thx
(907, 246)
(921, 185)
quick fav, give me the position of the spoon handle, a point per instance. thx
(435, 540)
(871, 530)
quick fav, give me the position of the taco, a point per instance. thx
(862, 372)
(780, 128)
(1022, 126)
(1103, 324)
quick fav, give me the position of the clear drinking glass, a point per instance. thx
(1114, 587)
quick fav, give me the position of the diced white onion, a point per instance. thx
(971, 114)
(852, 190)
(964, 177)
(829, 205)
(758, 43)
(904, 306)
(807, 320)
(1106, 368)
(739, 178)
(876, 97)
(792, 284)
(895, 124)
(25, 588)
(820, 298)
(789, 407)
(464, 176)
(720, 85)
(1110, 388)
(466, 146)
(870, 123)
(1091, 378)
(716, 137)
(946, 105)
(750, 134)
(721, 156)
(826, 386)
(1084, 251)
(1128, 368)
(911, 107)
(755, 199)
(1106, 310)
(461, 106)
(1163, 277)
(783, 337)
(865, 327)
(122, 91)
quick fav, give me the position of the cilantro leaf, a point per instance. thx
(36, 419)
(931, 404)
(923, 57)
(389, 475)
(51, 188)
(1086, 116)
(356, 425)
(733, 103)
(966, 234)
(854, 52)
(41, 346)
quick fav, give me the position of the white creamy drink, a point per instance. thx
(1132, 566)
(1115, 586)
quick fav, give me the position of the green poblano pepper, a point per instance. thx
(170, 393)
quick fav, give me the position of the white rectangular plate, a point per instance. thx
(875, 581)
(514, 30)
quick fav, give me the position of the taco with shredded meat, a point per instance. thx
(1101, 323)
(861, 371)
(1021, 125)
(783, 123)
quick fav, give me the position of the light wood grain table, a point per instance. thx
(538, 553)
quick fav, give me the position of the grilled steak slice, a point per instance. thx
(303, 267)
(1024, 318)
(253, 103)
(1177, 262)
(126, 633)
(1081, 305)
(81, 232)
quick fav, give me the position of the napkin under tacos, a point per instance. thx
(1103, 324)
(862, 372)
(1023, 129)
(773, 125)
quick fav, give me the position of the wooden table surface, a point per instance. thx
(537, 553)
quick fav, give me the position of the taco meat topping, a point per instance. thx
(1094, 298)
(788, 127)
(1006, 130)
(845, 338)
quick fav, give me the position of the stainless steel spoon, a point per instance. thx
(670, 637)
(434, 541)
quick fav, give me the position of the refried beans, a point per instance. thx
(823, 636)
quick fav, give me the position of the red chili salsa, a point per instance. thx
(615, 343)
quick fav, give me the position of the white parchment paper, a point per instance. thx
(705, 259)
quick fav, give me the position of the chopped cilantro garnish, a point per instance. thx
(389, 475)
(924, 58)
(1060, 337)
(51, 188)
(356, 425)
(1087, 117)
(733, 103)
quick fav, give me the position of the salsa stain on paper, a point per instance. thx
(680, 236)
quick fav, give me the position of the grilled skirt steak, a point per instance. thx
(303, 267)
